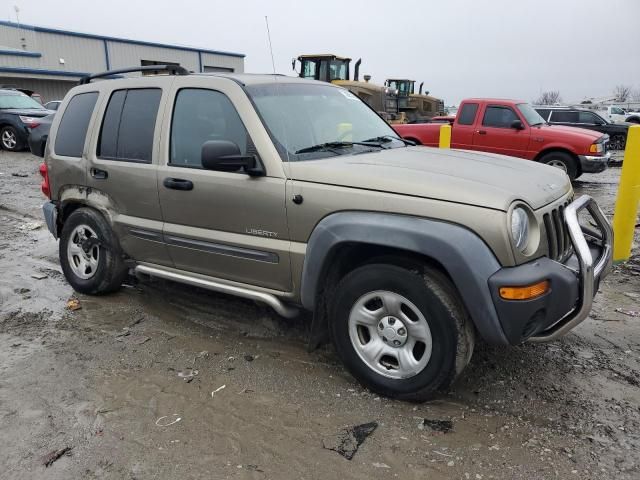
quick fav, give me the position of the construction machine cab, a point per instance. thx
(325, 68)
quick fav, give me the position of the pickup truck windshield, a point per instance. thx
(308, 121)
(18, 101)
(530, 115)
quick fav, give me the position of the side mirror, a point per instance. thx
(225, 156)
(517, 124)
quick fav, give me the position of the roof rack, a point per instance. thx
(172, 69)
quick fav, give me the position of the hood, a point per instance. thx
(28, 112)
(481, 179)
(550, 131)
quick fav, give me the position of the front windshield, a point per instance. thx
(18, 101)
(299, 116)
(403, 87)
(530, 115)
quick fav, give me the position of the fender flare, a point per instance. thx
(464, 255)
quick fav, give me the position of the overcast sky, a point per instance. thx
(459, 48)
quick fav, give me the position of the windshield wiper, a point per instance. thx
(332, 145)
(390, 138)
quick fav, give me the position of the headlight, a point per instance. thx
(520, 228)
(596, 148)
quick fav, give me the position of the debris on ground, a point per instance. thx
(436, 426)
(249, 358)
(632, 295)
(347, 442)
(217, 390)
(380, 465)
(631, 313)
(30, 226)
(188, 375)
(39, 276)
(139, 339)
(167, 420)
(51, 457)
(74, 304)
(20, 174)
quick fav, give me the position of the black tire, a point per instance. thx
(633, 120)
(618, 141)
(8, 132)
(110, 270)
(570, 164)
(452, 332)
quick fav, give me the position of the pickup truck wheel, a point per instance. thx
(90, 255)
(563, 161)
(401, 333)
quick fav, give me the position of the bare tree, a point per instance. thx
(622, 93)
(635, 94)
(551, 97)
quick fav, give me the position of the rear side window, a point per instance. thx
(500, 117)
(129, 124)
(564, 116)
(467, 114)
(74, 124)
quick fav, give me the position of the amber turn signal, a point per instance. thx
(525, 293)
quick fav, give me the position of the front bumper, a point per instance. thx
(594, 164)
(574, 283)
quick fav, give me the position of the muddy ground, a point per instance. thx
(110, 381)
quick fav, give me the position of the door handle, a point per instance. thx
(481, 132)
(99, 174)
(178, 184)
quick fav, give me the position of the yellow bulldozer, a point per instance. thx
(417, 107)
(334, 69)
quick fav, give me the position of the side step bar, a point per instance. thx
(274, 302)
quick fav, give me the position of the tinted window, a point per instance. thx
(199, 116)
(74, 124)
(129, 124)
(467, 114)
(500, 117)
(544, 113)
(564, 116)
(588, 117)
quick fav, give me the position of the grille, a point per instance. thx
(560, 247)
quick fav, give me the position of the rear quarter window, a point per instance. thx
(74, 125)
(467, 114)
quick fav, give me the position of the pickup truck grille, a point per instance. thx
(560, 247)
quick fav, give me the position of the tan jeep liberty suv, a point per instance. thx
(295, 193)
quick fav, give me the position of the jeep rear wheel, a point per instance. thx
(401, 333)
(563, 161)
(90, 255)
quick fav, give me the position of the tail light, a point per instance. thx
(44, 186)
(30, 122)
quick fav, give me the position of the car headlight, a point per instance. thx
(520, 228)
(596, 148)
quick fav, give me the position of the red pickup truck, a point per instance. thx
(514, 128)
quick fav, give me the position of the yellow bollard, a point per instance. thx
(445, 136)
(624, 217)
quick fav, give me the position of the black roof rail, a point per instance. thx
(172, 69)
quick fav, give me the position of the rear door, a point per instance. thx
(122, 165)
(227, 225)
(494, 132)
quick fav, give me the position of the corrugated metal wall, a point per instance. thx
(48, 89)
(87, 55)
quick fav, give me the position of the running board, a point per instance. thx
(271, 300)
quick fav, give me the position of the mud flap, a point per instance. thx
(319, 334)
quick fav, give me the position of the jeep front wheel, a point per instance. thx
(402, 333)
